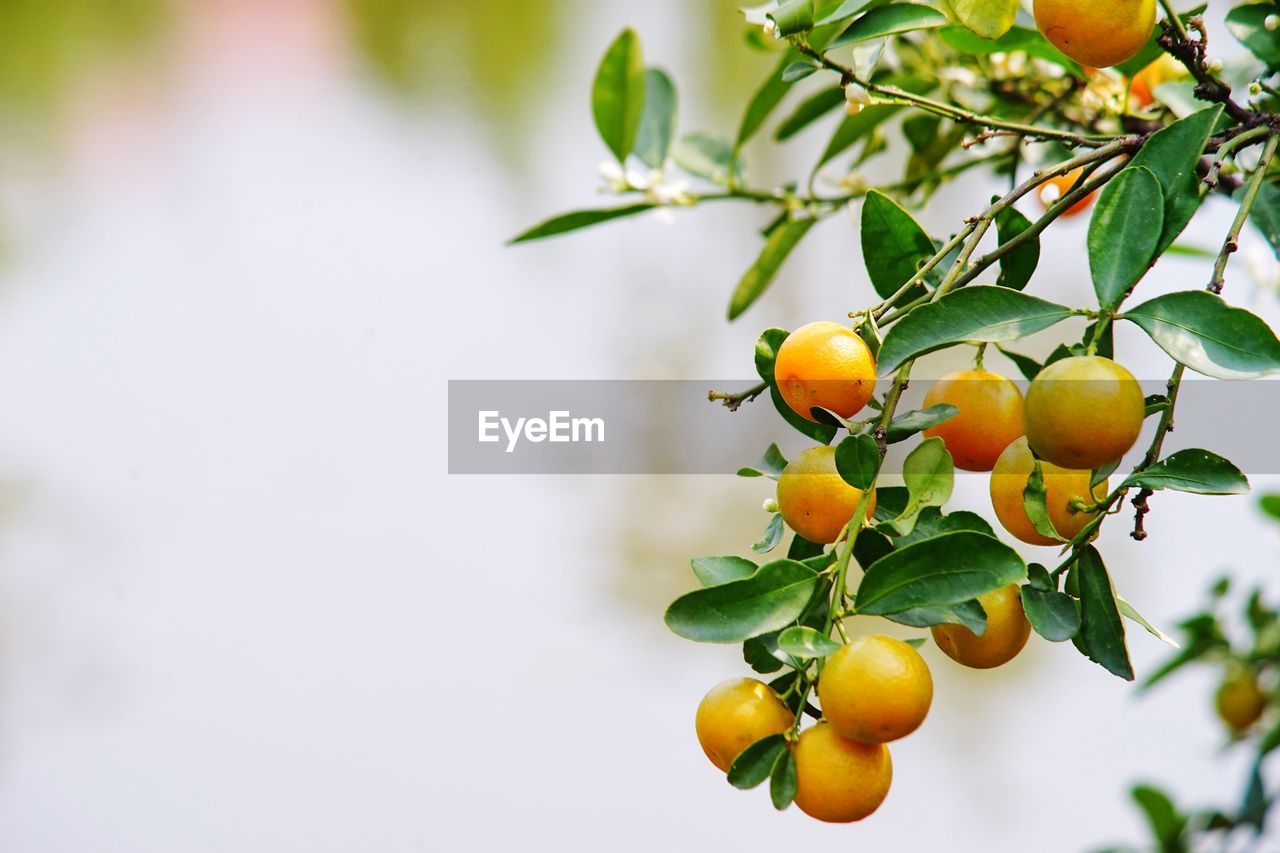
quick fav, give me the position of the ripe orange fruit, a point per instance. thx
(876, 689)
(734, 715)
(1239, 702)
(1100, 33)
(1006, 633)
(1055, 188)
(990, 416)
(840, 780)
(825, 364)
(1084, 412)
(1009, 479)
(814, 501)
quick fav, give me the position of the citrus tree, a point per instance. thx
(1111, 108)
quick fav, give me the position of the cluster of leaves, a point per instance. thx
(1207, 642)
(937, 76)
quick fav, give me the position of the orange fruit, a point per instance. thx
(1239, 702)
(735, 714)
(1100, 33)
(1055, 188)
(840, 780)
(1145, 82)
(825, 364)
(876, 689)
(1009, 479)
(990, 416)
(813, 499)
(1084, 412)
(1005, 635)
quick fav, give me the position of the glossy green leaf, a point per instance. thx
(858, 460)
(893, 245)
(1035, 502)
(704, 155)
(989, 19)
(967, 613)
(1209, 336)
(578, 219)
(843, 12)
(766, 353)
(931, 522)
(1131, 613)
(1167, 823)
(783, 780)
(766, 99)
(907, 424)
(798, 71)
(1052, 614)
(1018, 39)
(1124, 233)
(1249, 25)
(1027, 366)
(1197, 471)
(1172, 154)
(770, 465)
(762, 272)
(943, 570)
(736, 611)
(617, 96)
(772, 535)
(929, 473)
(854, 128)
(754, 764)
(712, 571)
(1101, 631)
(817, 105)
(1018, 265)
(889, 20)
(1265, 214)
(658, 122)
(974, 313)
(805, 643)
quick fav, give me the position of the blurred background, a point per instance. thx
(243, 246)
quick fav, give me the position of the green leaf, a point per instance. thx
(1018, 39)
(944, 570)
(736, 611)
(1101, 630)
(930, 476)
(843, 12)
(765, 100)
(1051, 613)
(1200, 330)
(805, 643)
(907, 424)
(1265, 214)
(1016, 267)
(704, 155)
(931, 522)
(1197, 471)
(712, 571)
(975, 313)
(810, 110)
(754, 764)
(1027, 366)
(967, 613)
(770, 465)
(1171, 154)
(762, 653)
(772, 535)
(792, 17)
(1167, 824)
(658, 123)
(1035, 501)
(762, 272)
(889, 20)
(1270, 504)
(1124, 233)
(1099, 475)
(854, 128)
(783, 780)
(798, 71)
(989, 19)
(617, 97)
(893, 245)
(578, 219)
(1131, 613)
(858, 460)
(766, 353)
(1249, 25)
